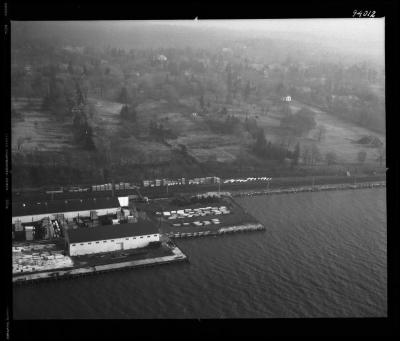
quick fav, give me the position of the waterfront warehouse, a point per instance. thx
(108, 238)
(27, 212)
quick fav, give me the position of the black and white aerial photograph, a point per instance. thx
(198, 169)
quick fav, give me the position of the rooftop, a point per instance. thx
(59, 206)
(103, 232)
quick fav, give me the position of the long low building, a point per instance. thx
(35, 211)
(109, 238)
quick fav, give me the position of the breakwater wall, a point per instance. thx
(222, 230)
(318, 188)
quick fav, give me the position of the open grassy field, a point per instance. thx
(205, 145)
(340, 136)
(129, 144)
(191, 131)
(38, 130)
(126, 139)
(106, 120)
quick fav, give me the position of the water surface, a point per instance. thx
(322, 255)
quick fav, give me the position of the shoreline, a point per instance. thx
(316, 188)
(164, 192)
(177, 254)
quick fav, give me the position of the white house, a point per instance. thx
(27, 212)
(109, 238)
(162, 58)
(287, 98)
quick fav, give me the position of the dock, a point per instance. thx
(221, 231)
(177, 256)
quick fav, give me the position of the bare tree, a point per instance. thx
(315, 154)
(331, 158)
(20, 142)
(381, 155)
(289, 140)
(306, 155)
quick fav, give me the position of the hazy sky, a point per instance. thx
(358, 36)
(354, 35)
(352, 29)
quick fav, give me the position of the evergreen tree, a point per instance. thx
(124, 111)
(246, 91)
(123, 97)
(80, 97)
(128, 112)
(261, 145)
(228, 71)
(201, 100)
(70, 68)
(361, 156)
(296, 154)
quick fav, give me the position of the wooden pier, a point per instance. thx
(221, 231)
